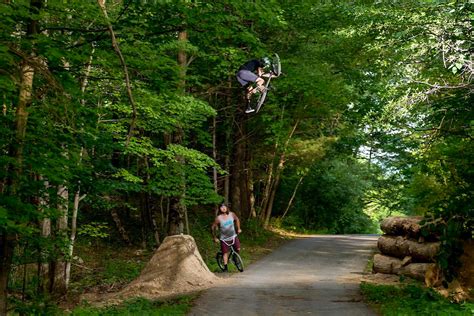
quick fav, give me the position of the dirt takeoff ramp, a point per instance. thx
(176, 268)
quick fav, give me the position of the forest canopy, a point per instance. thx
(124, 118)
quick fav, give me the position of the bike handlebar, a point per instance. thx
(225, 240)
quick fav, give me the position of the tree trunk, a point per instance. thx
(401, 247)
(391, 265)
(167, 215)
(268, 211)
(239, 190)
(177, 213)
(279, 169)
(186, 220)
(164, 215)
(59, 286)
(244, 182)
(227, 179)
(145, 216)
(27, 72)
(175, 220)
(43, 265)
(230, 120)
(402, 226)
(267, 189)
(386, 264)
(87, 71)
(77, 199)
(290, 202)
(235, 194)
(182, 61)
(151, 210)
(253, 212)
(7, 246)
(214, 156)
(156, 233)
(416, 270)
(274, 187)
(45, 225)
(26, 87)
(120, 227)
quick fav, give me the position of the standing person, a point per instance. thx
(252, 72)
(226, 222)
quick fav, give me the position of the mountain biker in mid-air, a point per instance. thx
(250, 76)
(225, 222)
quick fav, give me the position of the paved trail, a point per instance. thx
(309, 276)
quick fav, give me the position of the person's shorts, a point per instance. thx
(245, 77)
(226, 249)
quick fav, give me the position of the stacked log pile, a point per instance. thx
(403, 251)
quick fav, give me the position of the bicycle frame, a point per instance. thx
(233, 254)
(263, 95)
(225, 240)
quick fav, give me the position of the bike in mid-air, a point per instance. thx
(258, 98)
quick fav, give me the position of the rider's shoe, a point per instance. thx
(249, 110)
(225, 269)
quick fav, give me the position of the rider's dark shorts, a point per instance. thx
(226, 249)
(246, 76)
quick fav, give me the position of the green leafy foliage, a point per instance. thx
(332, 198)
(411, 299)
(373, 113)
(94, 230)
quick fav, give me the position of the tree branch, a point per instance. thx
(439, 87)
(57, 28)
(125, 70)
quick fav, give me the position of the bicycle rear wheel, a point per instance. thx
(237, 260)
(220, 260)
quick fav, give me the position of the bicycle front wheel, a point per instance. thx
(261, 98)
(220, 260)
(237, 260)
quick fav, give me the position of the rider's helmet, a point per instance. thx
(266, 63)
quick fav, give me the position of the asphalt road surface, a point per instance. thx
(318, 275)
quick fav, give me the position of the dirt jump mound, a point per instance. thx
(176, 268)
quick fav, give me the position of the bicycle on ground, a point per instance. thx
(234, 256)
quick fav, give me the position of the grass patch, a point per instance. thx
(122, 271)
(107, 265)
(139, 306)
(411, 300)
